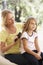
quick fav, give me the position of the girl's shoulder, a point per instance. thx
(35, 34)
(24, 35)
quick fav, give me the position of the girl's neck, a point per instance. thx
(30, 33)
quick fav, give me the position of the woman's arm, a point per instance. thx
(5, 47)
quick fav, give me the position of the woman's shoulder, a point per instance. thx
(3, 35)
(3, 31)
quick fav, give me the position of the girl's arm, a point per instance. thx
(25, 42)
(28, 50)
(36, 45)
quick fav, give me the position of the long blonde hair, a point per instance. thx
(26, 24)
(4, 15)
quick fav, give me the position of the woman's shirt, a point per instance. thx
(8, 39)
(0, 49)
(30, 44)
(1, 53)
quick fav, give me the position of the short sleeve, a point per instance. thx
(3, 35)
(24, 35)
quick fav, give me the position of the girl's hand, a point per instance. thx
(38, 56)
(39, 53)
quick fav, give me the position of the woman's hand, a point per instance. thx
(16, 38)
(2, 44)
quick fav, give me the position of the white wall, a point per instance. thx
(40, 37)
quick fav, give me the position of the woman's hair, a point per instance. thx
(26, 24)
(4, 15)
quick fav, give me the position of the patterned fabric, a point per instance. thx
(8, 38)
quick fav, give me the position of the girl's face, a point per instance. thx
(32, 25)
(10, 19)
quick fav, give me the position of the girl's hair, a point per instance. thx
(4, 15)
(26, 24)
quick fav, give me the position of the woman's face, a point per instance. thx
(32, 25)
(10, 19)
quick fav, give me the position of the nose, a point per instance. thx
(12, 20)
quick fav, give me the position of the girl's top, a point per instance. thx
(30, 44)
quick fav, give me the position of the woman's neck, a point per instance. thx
(11, 29)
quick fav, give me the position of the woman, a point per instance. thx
(10, 32)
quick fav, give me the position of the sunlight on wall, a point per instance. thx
(0, 21)
(40, 37)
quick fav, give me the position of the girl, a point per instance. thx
(29, 43)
